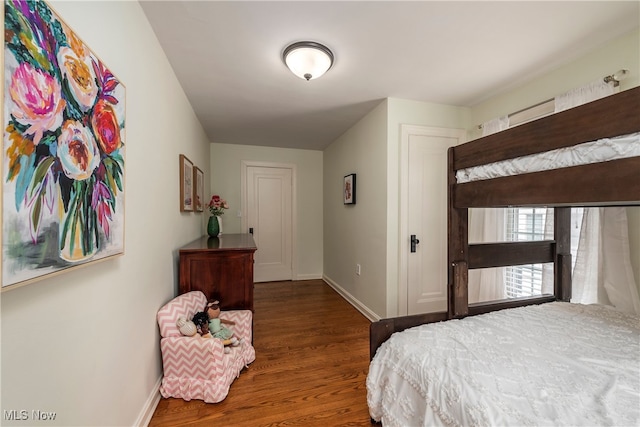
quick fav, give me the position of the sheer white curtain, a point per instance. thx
(602, 272)
(487, 225)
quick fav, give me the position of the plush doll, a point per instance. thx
(201, 320)
(186, 327)
(212, 328)
(213, 310)
(216, 328)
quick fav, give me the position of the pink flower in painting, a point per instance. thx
(77, 151)
(38, 100)
(80, 75)
(100, 202)
(105, 126)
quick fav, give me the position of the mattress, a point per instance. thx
(602, 150)
(553, 364)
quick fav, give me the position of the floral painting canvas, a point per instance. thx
(63, 149)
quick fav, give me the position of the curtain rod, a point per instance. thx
(615, 78)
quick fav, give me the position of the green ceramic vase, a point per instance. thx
(213, 226)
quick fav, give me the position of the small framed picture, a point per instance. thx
(198, 189)
(186, 184)
(349, 189)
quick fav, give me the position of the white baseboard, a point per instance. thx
(366, 312)
(308, 276)
(144, 418)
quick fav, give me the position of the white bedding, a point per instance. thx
(552, 364)
(589, 152)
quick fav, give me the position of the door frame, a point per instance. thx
(406, 131)
(244, 165)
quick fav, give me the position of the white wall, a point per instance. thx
(226, 161)
(368, 233)
(85, 344)
(620, 53)
(357, 234)
(623, 52)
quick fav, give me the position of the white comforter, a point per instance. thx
(603, 150)
(553, 364)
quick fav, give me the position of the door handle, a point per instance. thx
(414, 242)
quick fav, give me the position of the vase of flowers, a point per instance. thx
(213, 226)
(217, 205)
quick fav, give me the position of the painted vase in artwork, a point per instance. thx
(76, 243)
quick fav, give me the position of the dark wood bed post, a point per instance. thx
(458, 249)
(562, 264)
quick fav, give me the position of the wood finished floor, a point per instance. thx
(312, 358)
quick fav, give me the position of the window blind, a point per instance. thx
(524, 224)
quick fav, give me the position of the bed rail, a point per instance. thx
(489, 306)
(489, 255)
(588, 185)
(381, 330)
(611, 116)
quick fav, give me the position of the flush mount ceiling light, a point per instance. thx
(308, 60)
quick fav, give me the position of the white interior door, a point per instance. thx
(269, 192)
(423, 281)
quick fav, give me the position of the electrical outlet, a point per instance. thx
(358, 269)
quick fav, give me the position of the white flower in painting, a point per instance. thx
(78, 71)
(77, 150)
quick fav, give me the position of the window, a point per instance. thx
(524, 224)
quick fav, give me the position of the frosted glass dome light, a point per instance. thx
(308, 60)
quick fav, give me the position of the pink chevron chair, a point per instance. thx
(196, 367)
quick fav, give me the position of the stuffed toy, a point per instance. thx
(201, 320)
(186, 327)
(213, 310)
(209, 325)
(216, 328)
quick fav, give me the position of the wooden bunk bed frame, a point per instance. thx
(611, 183)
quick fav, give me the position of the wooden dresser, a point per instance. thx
(221, 267)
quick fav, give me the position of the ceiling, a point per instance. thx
(227, 57)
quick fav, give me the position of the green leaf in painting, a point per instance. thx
(36, 216)
(24, 178)
(40, 173)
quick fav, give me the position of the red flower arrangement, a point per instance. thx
(217, 205)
